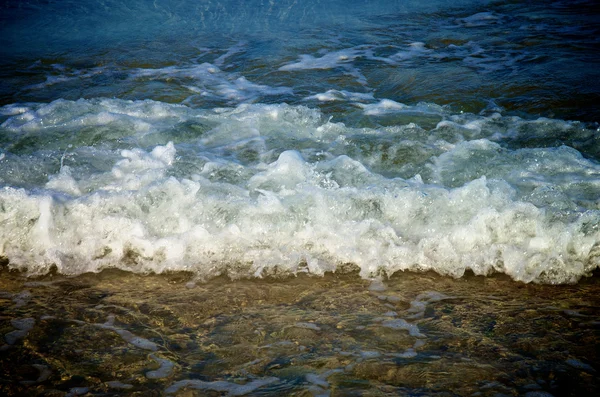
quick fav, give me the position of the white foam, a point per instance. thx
(377, 285)
(319, 384)
(305, 325)
(64, 182)
(419, 304)
(165, 369)
(209, 80)
(479, 19)
(236, 49)
(22, 298)
(13, 109)
(386, 106)
(472, 54)
(23, 326)
(367, 355)
(115, 384)
(66, 75)
(213, 80)
(580, 365)
(138, 168)
(90, 113)
(335, 95)
(232, 389)
(77, 391)
(415, 50)
(329, 60)
(206, 79)
(342, 59)
(278, 188)
(398, 323)
(317, 380)
(408, 353)
(136, 341)
(345, 58)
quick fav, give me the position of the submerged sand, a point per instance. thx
(118, 333)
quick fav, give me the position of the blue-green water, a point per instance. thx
(251, 138)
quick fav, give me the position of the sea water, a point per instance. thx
(260, 137)
(278, 137)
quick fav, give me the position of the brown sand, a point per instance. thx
(117, 333)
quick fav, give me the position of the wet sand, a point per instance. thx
(117, 333)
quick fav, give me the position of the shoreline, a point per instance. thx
(126, 334)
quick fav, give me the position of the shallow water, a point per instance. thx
(267, 137)
(117, 333)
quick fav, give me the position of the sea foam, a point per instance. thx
(263, 189)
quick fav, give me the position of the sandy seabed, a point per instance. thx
(117, 333)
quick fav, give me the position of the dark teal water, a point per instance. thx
(532, 58)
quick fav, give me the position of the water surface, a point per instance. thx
(299, 197)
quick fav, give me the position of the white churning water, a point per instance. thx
(259, 189)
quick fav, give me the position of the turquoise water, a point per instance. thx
(259, 137)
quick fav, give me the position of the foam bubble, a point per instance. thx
(77, 391)
(136, 341)
(305, 325)
(165, 369)
(115, 384)
(414, 50)
(335, 95)
(479, 19)
(23, 326)
(317, 380)
(209, 80)
(327, 61)
(22, 298)
(398, 323)
(342, 59)
(236, 49)
(386, 106)
(13, 109)
(233, 389)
